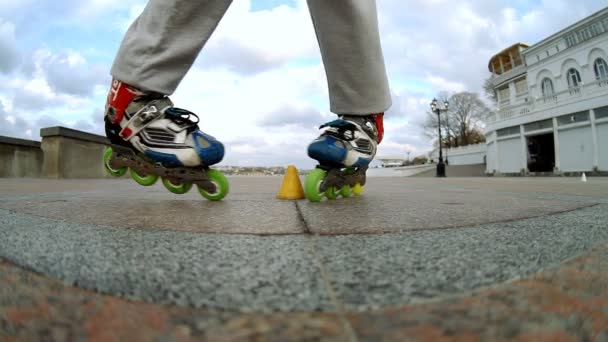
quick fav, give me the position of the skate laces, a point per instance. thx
(340, 128)
(182, 116)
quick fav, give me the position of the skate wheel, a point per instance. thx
(312, 183)
(331, 193)
(107, 155)
(357, 189)
(179, 189)
(143, 180)
(221, 186)
(346, 191)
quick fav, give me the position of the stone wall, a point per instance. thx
(70, 153)
(463, 155)
(20, 158)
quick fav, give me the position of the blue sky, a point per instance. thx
(259, 85)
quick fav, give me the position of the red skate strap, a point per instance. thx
(121, 94)
(379, 121)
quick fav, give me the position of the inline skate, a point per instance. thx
(151, 138)
(344, 151)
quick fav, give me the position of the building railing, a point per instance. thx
(531, 104)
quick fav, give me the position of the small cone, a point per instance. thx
(291, 189)
(583, 178)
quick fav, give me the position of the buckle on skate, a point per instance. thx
(341, 129)
(340, 124)
(181, 116)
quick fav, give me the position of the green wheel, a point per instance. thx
(346, 191)
(179, 189)
(107, 154)
(357, 189)
(221, 186)
(331, 193)
(312, 184)
(143, 180)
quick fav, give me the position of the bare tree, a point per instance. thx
(490, 92)
(462, 124)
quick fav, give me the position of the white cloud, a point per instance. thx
(9, 56)
(250, 42)
(259, 85)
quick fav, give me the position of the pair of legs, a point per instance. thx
(162, 44)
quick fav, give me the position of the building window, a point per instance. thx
(574, 78)
(538, 125)
(573, 118)
(507, 131)
(521, 86)
(504, 94)
(601, 113)
(601, 69)
(547, 87)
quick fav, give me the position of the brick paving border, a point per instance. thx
(565, 303)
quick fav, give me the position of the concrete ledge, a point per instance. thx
(19, 142)
(69, 153)
(74, 134)
(20, 158)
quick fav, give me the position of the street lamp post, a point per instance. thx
(435, 108)
(447, 124)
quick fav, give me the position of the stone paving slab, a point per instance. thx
(295, 272)
(238, 272)
(388, 205)
(375, 271)
(268, 281)
(251, 217)
(566, 303)
(35, 308)
(420, 209)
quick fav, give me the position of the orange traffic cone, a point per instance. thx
(292, 187)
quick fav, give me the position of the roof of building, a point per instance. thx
(571, 27)
(505, 52)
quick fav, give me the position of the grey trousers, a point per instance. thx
(161, 45)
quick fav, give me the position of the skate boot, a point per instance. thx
(344, 151)
(151, 138)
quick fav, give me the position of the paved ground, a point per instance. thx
(458, 171)
(454, 258)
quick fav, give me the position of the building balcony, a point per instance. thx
(509, 74)
(531, 105)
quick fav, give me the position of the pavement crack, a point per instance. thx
(333, 296)
(302, 219)
(325, 277)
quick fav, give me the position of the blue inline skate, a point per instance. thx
(151, 138)
(344, 151)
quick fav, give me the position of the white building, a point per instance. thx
(392, 161)
(462, 155)
(553, 103)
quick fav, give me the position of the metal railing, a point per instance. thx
(532, 104)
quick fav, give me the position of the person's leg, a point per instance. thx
(349, 39)
(157, 51)
(161, 45)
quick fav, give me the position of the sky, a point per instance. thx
(259, 85)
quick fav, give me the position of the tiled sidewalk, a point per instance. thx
(566, 303)
(397, 264)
